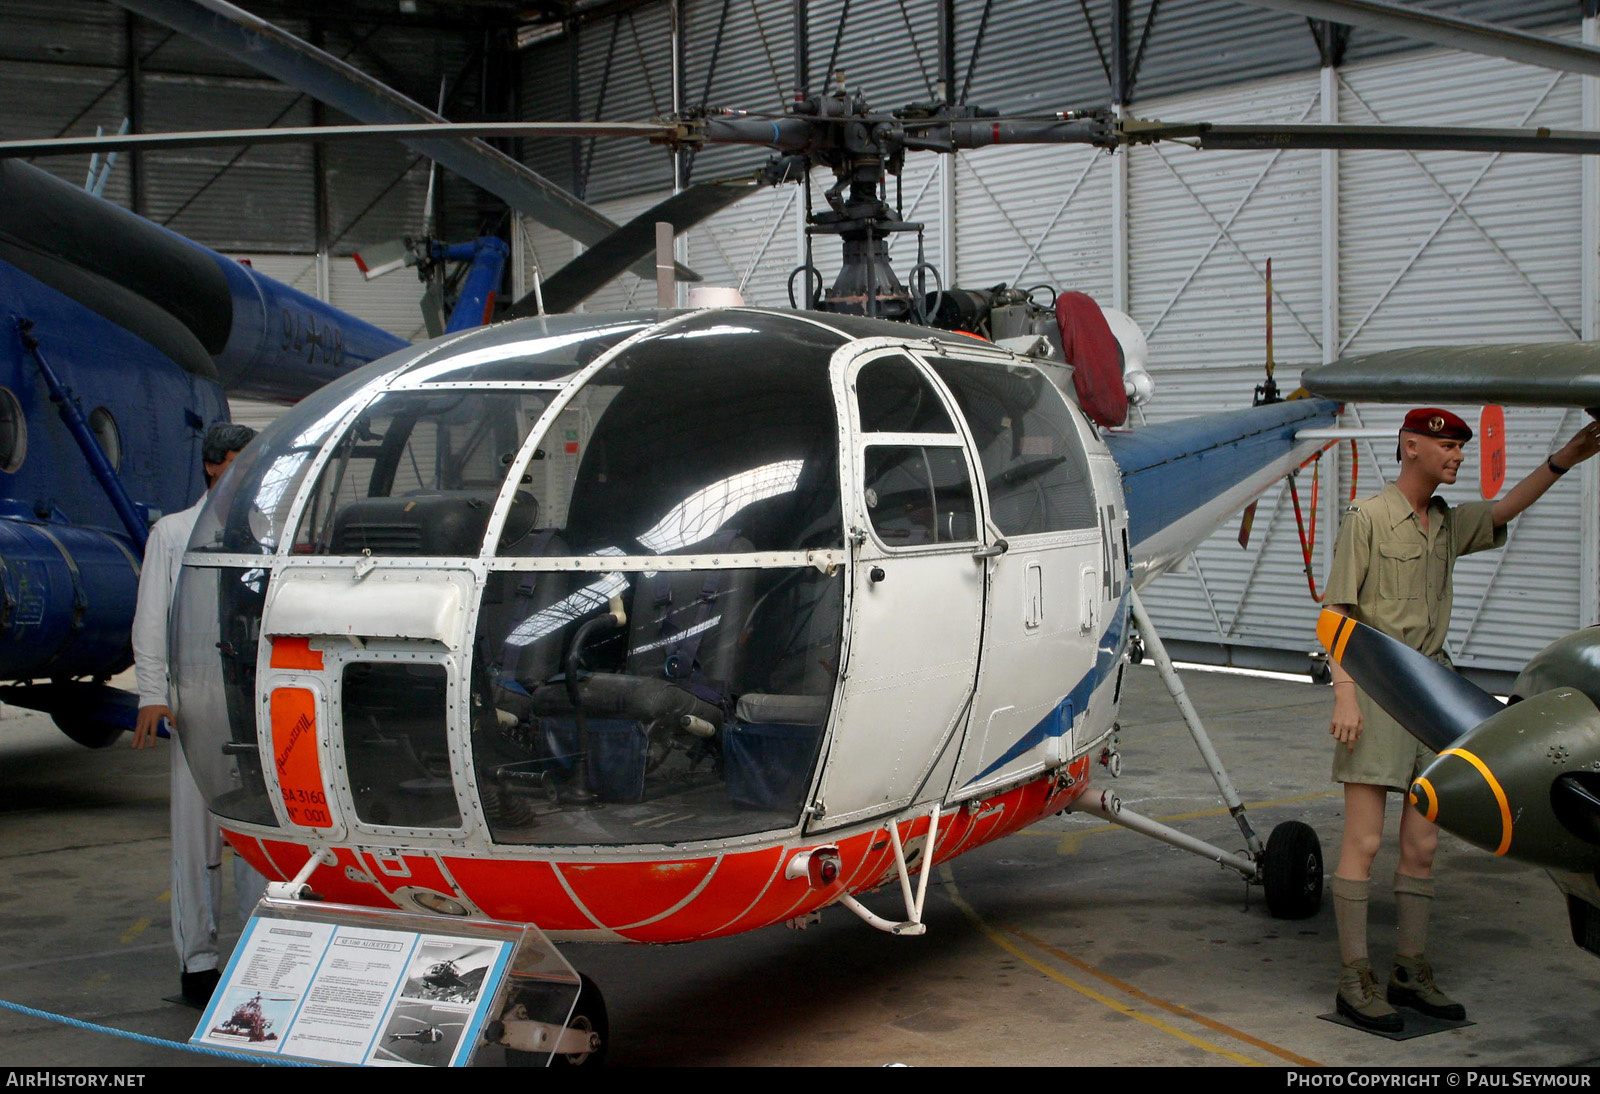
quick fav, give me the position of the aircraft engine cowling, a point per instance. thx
(261, 338)
(1522, 780)
(1523, 783)
(66, 594)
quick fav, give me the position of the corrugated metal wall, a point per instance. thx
(1446, 247)
(1201, 228)
(1437, 246)
(63, 71)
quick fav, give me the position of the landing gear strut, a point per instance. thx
(1289, 866)
(534, 1034)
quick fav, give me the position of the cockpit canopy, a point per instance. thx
(424, 558)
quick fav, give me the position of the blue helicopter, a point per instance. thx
(119, 343)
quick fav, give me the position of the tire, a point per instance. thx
(87, 731)
(589, 1013)
(1291, 869)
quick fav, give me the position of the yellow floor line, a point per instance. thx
(1182, 1011)
(1105, 1000)
(138, 928)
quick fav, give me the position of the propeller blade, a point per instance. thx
(1435, 704)
(266, 48)
(1214, 136)
(314, 134)
(1577, 806)
(1536, 374)
(622, 249)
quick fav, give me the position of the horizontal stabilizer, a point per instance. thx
(1434, 703)
(1534, 374)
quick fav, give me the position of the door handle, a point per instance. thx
(994, 550)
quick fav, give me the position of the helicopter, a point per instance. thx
(249, 1021)
(663, 626)
(444, 980)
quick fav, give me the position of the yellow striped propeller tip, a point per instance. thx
(1328, 624)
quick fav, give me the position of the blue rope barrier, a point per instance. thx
(148, 1040)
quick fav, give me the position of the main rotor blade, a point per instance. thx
(1537, 374)
(1454, 31)
(1417, 138)
(1435, 704)
(314, 134)
(591, 270)
(270, 49)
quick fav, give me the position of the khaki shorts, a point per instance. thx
(1384, 755)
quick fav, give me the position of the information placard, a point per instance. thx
(348, 985)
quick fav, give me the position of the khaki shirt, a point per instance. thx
(1395, 574)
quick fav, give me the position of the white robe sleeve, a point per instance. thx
(151, 614)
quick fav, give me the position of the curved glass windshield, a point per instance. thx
(248, 510)
(535, 350)
(701, 717)
(417, 473)
(216, 631)
(716, 434)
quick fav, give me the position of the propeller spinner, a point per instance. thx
(1522, 780)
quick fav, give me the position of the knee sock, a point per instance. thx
(1350, 913)
(1413, 901)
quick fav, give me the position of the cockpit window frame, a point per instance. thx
(848, 363)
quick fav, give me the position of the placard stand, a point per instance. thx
(341, 984)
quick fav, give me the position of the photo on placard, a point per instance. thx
(249, 1017)
(420, 1033)
(448, 971)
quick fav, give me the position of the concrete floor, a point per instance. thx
(1070, 943)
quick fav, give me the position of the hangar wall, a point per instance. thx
(1370, 250)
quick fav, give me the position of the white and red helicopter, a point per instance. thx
(668, 626)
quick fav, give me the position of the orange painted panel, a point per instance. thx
(1491, 451)
(737, 883)
(622, 894)
(285, 858)
(421, 871)
(520, 892)
(335, 883)
(294, 750)
(291, 652)
(249, 848)
(329, 882)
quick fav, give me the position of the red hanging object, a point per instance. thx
(1095, 356)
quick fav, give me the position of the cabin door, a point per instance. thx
(916, 592)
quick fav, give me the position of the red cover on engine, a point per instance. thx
(1095, 356)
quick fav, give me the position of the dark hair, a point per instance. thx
(222, 438)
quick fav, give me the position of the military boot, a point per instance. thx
(1411, 985)
(1358, 1000)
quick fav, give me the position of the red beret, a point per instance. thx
(1431, 421)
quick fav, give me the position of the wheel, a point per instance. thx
(589, 1015)
(88, 732)
(1291, 868)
